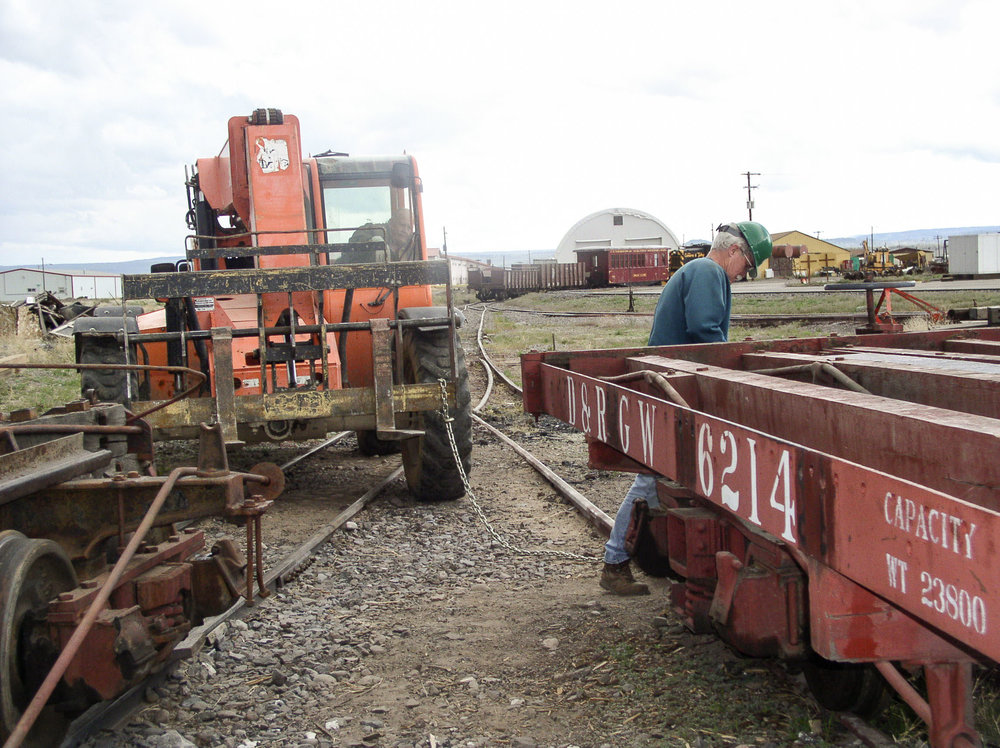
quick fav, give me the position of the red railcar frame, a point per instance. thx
(857, 524)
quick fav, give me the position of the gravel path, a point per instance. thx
(414, 627)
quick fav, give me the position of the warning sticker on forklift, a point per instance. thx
(272, 154)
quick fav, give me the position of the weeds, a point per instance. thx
(39, 388)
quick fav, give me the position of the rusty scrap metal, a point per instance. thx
(150, 579)
(33, 468)
(283, 280)
(68, 652)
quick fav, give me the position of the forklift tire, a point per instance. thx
(428, 461)
(370, 445)
(108, 384)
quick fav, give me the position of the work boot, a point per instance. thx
(618, 580)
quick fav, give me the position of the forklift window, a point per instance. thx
(353, 207)
(362, 212)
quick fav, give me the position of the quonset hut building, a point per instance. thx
(619, 228)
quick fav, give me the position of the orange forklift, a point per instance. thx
(303, 306)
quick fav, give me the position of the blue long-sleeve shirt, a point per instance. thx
(694, 306)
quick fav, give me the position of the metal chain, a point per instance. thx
(448, 420)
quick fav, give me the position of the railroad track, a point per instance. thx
(747, 319)
(292, 564)
(285, 571)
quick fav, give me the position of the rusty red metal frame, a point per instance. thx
(933, 312)
(890, 501)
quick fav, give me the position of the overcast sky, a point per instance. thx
(524, 116)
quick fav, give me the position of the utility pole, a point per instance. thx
(750, 187)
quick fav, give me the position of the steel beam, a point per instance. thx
(283, 280)
(937, 380)
(80, 514)
(31, 469)
(936, 448)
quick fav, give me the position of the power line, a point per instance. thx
(750, 188)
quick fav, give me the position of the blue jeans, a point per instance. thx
(643, 487)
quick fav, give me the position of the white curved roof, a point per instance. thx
(636, 228)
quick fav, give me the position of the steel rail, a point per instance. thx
(763, 319)
(597, 516)
(332, 440)
(119, 708)
(484, 360)
(286, 569)
(489, 362)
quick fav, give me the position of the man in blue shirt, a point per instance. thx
(694, 307)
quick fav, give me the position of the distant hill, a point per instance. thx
(912, 238)
(125, 267)
(924, 238)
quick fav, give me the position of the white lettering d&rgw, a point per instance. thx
(571, 402)
(623, 435)
(646, 415)
(584, 409)
(602, 421)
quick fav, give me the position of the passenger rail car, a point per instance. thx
(621, 267)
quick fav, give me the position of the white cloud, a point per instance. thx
(524, 117)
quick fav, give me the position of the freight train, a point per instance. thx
(599, 267)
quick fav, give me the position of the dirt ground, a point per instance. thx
(554, 660)
(525, 651)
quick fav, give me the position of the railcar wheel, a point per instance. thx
(32, 573)
(428, 462)
(847, 687)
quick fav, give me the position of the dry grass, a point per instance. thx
(38, 388)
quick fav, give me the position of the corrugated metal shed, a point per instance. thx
(615, 227)
(18, 284)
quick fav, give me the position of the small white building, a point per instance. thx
(20, 283)
(459, 265)
(974, 254)
(615, 227)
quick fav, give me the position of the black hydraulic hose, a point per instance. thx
(342, 336)
(199, 345)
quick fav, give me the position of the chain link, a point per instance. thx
(448, 420)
